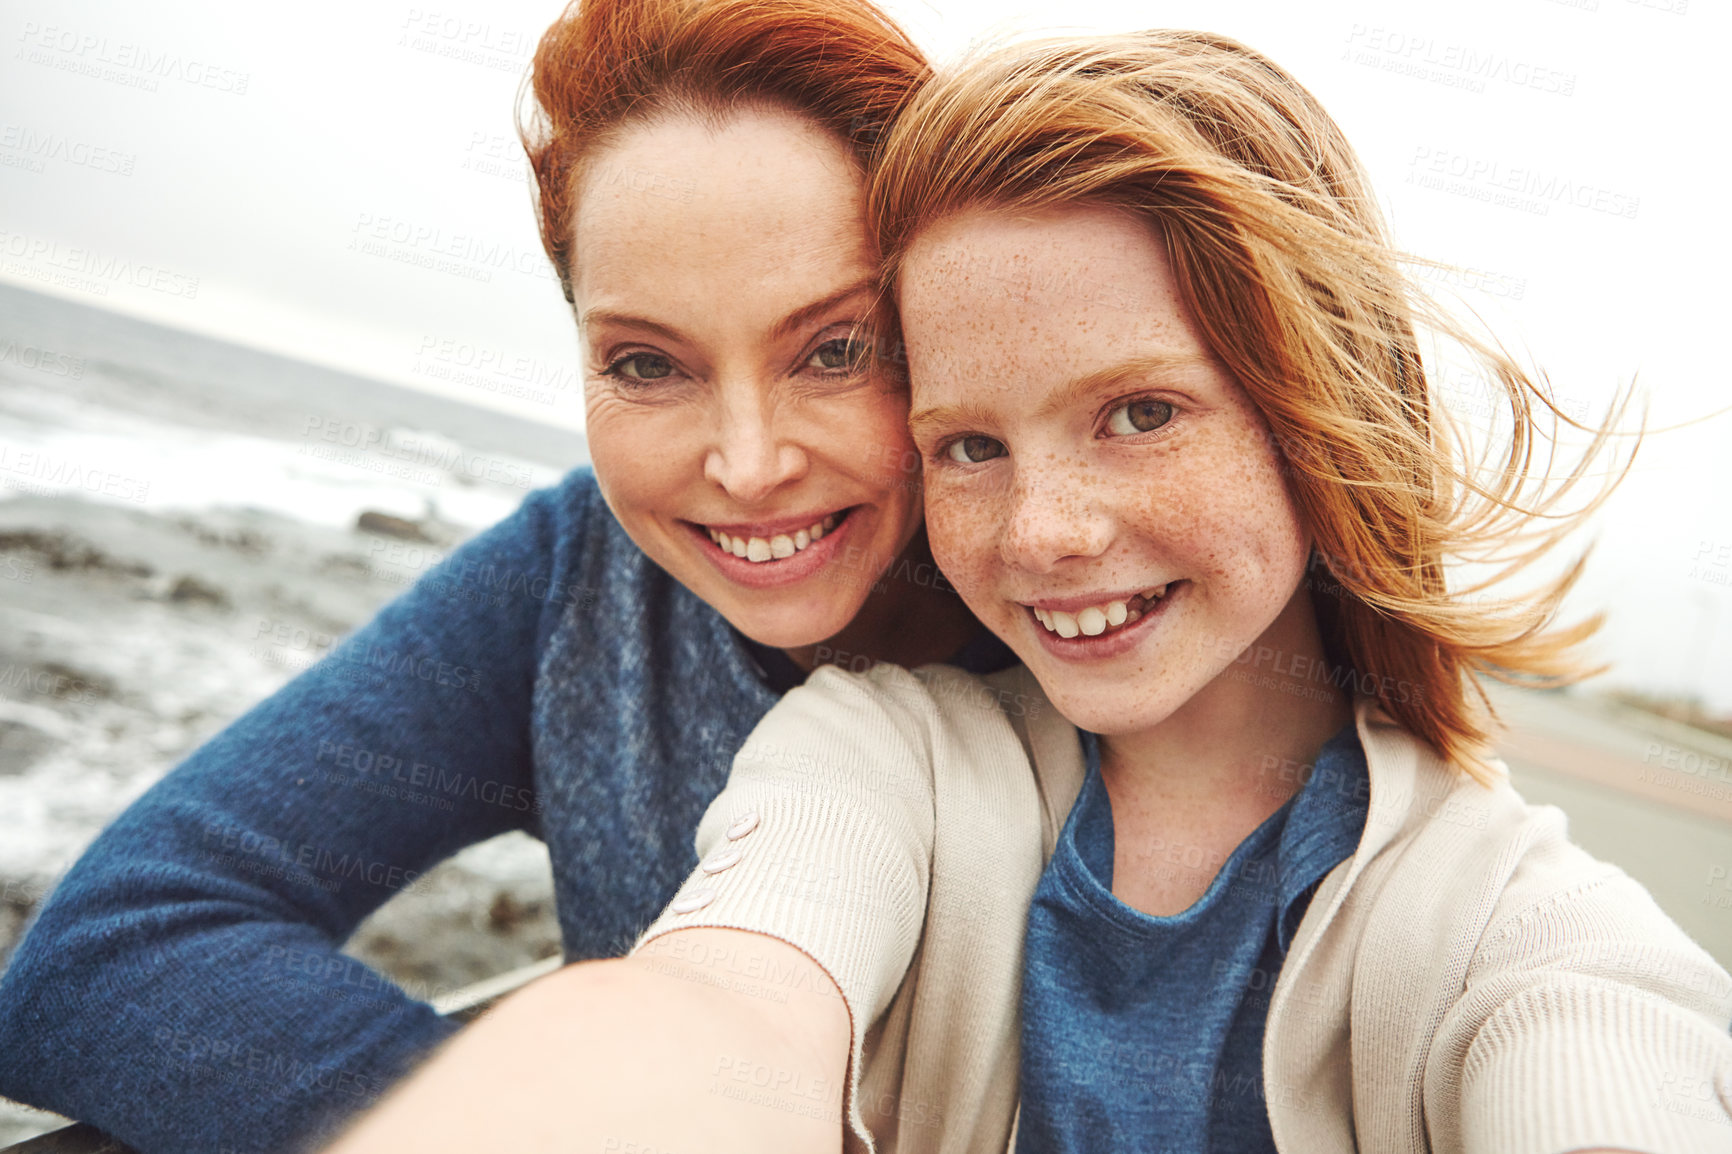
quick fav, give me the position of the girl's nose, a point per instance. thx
(1051, 519)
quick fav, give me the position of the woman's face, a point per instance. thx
(1102, 493)
(718, 272)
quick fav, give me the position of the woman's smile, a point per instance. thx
(738, 431)
(764, 555)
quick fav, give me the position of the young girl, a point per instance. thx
(1180, 454)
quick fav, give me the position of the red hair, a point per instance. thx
(1277, 246)
(607, 64)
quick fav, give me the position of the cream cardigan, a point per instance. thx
(1467, 981)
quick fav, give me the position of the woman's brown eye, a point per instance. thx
(974, 450)
(641, 367)
(842, 353)
(1138, 417)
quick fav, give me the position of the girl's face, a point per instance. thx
(1102, 493)
(718, 272)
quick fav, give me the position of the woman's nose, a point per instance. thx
(749, 455)
(1051, 519)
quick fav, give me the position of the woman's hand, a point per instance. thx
(713, 1040)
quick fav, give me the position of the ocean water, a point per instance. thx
(119, 410)
(180, 533)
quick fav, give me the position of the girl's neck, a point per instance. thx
(911, 617)
(1191, 788)
(1243, 741)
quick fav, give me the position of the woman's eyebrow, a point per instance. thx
(795, 320)
(1076, 389)
(802, 316)
(626, 320)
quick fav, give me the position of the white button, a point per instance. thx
(743, 825)
(727, 859)
(693, 902)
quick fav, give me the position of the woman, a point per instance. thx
(1180, 457)
(584, 670)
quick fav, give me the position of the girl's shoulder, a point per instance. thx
(1451, 868)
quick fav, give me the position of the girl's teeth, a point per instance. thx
(1096, 620)
(775, 548)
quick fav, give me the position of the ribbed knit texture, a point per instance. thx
(876, 814)
(1468, 981)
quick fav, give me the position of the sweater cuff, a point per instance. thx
(1566, 1069)
(820, 871)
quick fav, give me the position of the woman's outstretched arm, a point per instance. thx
(183, 988)
(712, 1040)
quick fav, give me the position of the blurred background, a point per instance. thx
(276, 332)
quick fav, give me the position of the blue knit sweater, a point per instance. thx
(182, 988)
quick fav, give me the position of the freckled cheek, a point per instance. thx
(964, 536)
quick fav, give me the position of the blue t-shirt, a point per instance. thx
(1144, 1033)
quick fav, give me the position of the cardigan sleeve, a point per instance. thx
(1589, 1019)
(823, 839)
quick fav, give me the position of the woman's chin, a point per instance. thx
(792, 626)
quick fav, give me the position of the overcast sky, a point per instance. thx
(341, 182)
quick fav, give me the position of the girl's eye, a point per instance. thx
(1135, 417)
(973, 450)
(641, 367)
(844, 354)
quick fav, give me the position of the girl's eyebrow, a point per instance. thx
(1076, 389)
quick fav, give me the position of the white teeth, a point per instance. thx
(776, 548)
(1095, 620)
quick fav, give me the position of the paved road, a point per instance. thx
(1650, 795)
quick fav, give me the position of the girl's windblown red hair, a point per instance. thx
(1281, 254)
